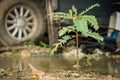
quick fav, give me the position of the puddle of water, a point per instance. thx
(47, 63)
(50, 64)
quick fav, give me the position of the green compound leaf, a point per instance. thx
(89, 8)
(65, 30)
(64, 39)
(92, 20)
(81, 25)
(71, 29)
(70, 12)
(58, 15)
(62, 31)
(68, 16)
(74, 9)
(95, 35)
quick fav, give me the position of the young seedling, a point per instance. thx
(79, 27)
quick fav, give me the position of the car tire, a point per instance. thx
(21, 20)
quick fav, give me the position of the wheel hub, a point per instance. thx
(20, 23)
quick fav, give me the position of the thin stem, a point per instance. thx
(77, 51)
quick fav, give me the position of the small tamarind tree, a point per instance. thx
(79, 27)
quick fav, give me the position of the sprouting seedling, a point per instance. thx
(79, 27)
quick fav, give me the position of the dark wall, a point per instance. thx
(102, 13)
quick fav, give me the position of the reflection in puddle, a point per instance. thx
(46, 63)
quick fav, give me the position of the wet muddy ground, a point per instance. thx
(37, 64)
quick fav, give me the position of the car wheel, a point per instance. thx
(20, 20)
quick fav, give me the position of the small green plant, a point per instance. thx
(14, 50)
(43, 44)
(30, 43)
(79, 27)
